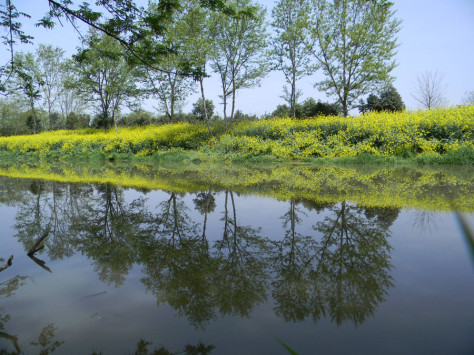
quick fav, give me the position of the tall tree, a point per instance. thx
(105, 76)
(239, 44)
(28, 82)
(169, 86)
(429, 90)
(198, 48)
(49, 60)
(71, 100)
(288, 49)
(353, 42)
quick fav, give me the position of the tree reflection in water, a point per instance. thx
(178, 265)
(351, 262)
(199, 349)
(342, 272)
(108, 231)
(291, 284)
(242, 274)
(46, 342)
(339, 269)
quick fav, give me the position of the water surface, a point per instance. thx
(218, 268)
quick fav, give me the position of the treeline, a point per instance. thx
(106, 77)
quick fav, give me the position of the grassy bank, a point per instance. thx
(436, 136)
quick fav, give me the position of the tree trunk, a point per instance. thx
(33, 112)
(345, 112)
(206, 117)
(233, 104)
(293, 94)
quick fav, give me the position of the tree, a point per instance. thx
(28, 81)
(353, 42)
(49, 60)
(10, 116)
(169, 86)
(105, 76)
(309, 108)
(71, 100)
(238, 46)
(429, 90)
(133, 26)
(388, 100)
(288, 49)
(197, 48)
(200, 111)
(137, 118)
(468, 98)
(77, 121)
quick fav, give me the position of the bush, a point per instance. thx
(388, 100)
(137, 118)
(309, 108)
(77, 121)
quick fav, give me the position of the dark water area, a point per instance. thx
(132, 271)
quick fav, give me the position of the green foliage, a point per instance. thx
(198, 109)
(105, 76)
(309, 108)
(77, 121)
(12, 120)
(167, 83)
(281, 111)
(240, 116)
(137, 118)
(10, 20)
(102, 121)
(130, 25)
(354, 44)
(28, 82)
(49, 60)
(288, 50)
(388, 100)
(238, 49)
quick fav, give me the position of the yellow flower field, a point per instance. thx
(383, 134)
(402, 134)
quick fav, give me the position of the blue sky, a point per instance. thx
(435, 35)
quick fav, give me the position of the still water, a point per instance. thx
(125, 270)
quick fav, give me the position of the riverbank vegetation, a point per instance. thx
(429, 136)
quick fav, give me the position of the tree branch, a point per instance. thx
(8, 264)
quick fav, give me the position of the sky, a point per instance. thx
(435, 35)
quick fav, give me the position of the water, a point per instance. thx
(226, 270)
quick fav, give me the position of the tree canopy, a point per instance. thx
(353, 42)
(167, 49)
(388, 100)
(133, 26)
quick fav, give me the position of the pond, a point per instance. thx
(238, 260)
